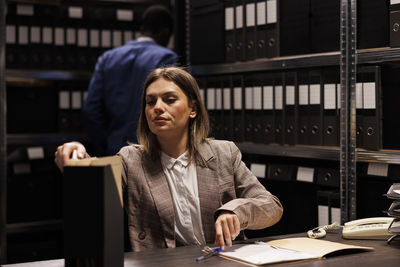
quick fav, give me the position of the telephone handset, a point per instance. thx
(368, 228)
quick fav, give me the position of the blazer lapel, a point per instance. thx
(162, 198)
(207, 180)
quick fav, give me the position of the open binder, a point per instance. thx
(286, 250)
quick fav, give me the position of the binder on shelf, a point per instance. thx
(331, 115)
(303, 107)
(34, 41)
(394, 28)
(230, 40)
(359, 116)
(315, 109)
(249, 111)
(272, 40)
(268, 118)
(250, 30)
(106, 26)
(238, 111)
(64, 106)
(93, 18)
(328, 207)
(206, 19)
(328, 177)
(25, 15)
(294, 27)
(124, 25)
(210, 105)
(227, 108)
(278, 109)
(371, 110)
(47, 14)
(261, 29)
(78, 16)
(325, 25)
(240, 32)
(372, 24)
(290, 112)
(218, 111)
(70, 28)
(76, 92)
(258, 115)
(11, 28)
(59, 42)
(280, 172)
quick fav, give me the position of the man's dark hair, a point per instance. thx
(156, 18)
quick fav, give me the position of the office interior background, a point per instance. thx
(270, 77)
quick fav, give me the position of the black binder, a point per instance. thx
(212, 84)
(331, 115)
(11, 37)
(47, 17)
(24, 16)
(218, 111)
(238, 111)
(227, 108)
(261, 29)
(250, 28)
(240, 32)
(268, 118)
(272, 39)
(394, 28)
(290, 111)
(372, 24)
(230, 40)
(303, 107)
(325, 25)
(93, 217)
(371, 111)
(258, 116)
(328, 177)
(315, 109)
(294, 27)
(206, 19)
(278, 109)
(249, 110)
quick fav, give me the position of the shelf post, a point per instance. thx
(3, 136)
(348, 74)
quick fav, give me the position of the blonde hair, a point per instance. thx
(198, 126)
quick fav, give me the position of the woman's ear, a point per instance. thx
(193, 113)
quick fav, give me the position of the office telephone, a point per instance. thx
(368, 228)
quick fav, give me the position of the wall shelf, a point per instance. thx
(57, 138)
(318, 152)
(367, 56)
(13, 74)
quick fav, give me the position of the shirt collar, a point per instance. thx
(169, 162)
(144, 39)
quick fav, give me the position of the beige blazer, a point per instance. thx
(225, 184)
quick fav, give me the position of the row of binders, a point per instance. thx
(53, 108)
(63, 37)
(292, 108)
(244, 30)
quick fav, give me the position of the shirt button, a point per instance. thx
(142, 235)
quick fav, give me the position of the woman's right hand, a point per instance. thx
(65, 151)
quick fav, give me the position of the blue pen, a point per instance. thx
(212, 252)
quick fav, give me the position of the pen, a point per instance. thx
(212, 252)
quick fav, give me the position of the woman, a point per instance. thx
(181, 188)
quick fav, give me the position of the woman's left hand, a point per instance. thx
(227, 228)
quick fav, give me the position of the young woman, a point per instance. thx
(181, 188)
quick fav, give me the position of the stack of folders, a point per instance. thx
(48, 36)
(394, 210)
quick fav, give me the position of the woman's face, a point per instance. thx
(167, 109)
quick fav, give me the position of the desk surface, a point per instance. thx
(382, 255)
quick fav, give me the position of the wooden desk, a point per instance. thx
(383, 255)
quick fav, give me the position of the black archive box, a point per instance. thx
(93, 217)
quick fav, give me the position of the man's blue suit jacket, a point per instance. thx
(112, 107)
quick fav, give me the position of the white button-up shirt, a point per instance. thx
(182, 179)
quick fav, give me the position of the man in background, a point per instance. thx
(112, 107)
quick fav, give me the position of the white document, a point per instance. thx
(271, 11)
(229, 20)
(239, 17)
(250, 15)
(378, 169)
(315, 94)
(261, 18)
